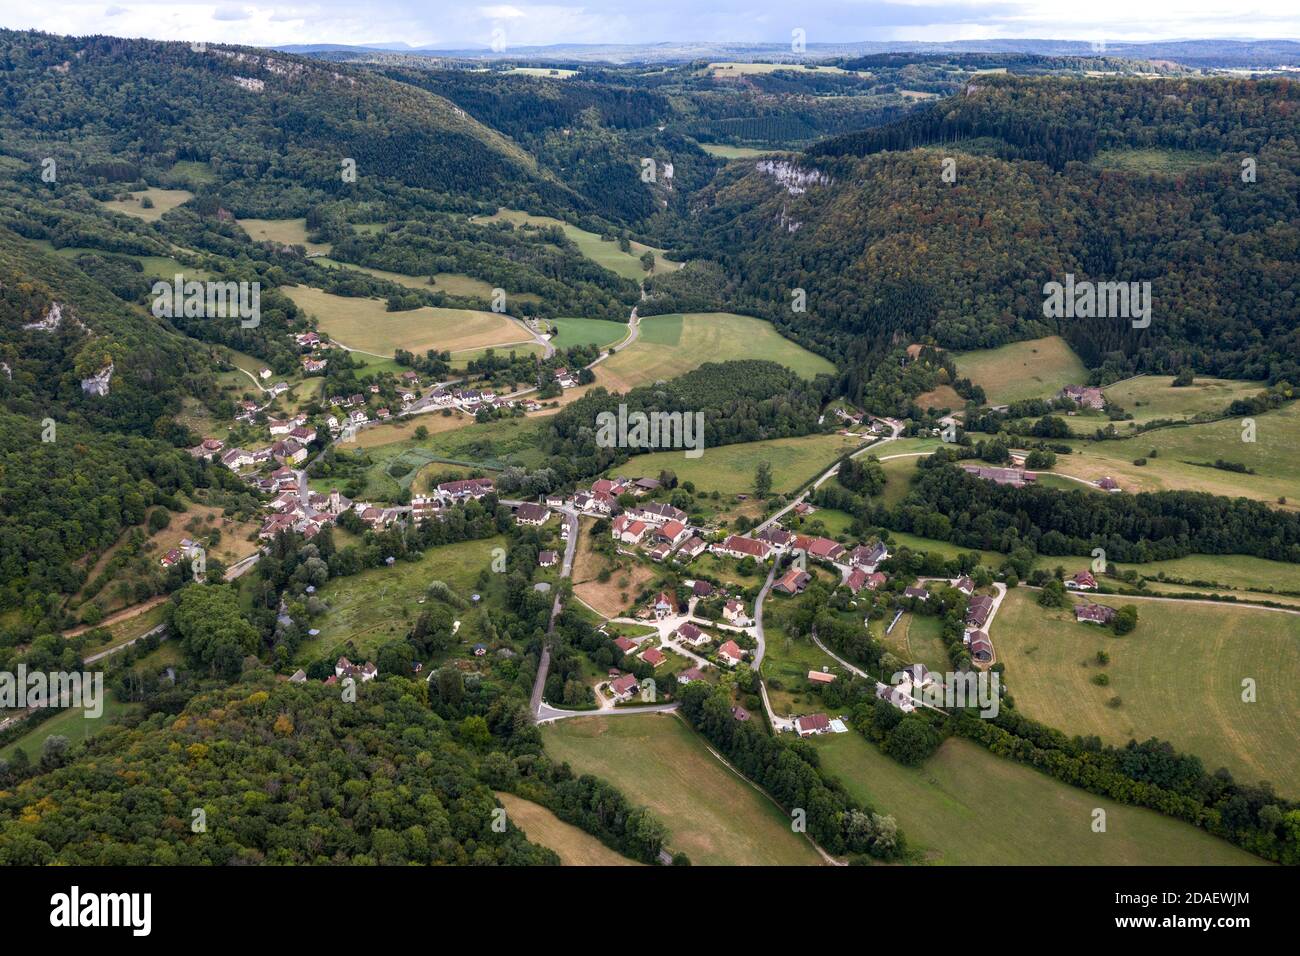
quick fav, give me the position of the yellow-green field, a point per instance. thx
(915, 639)
(452, 283)
(606, 254)
(1038, 368)
(597, 332)
(670, 345)
(723, 151)
(367, 325)
(1149, 397)
(729, 469)
(724, 69)
(164, 201)
(554, 74)
(1151, 160)
(575, 847)
(1271, 455)
(1178, 674)
(1229, 571)
(965, 806)
(713, 815)
(287, 232)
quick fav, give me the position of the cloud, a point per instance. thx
(230, 14)
(115, 11)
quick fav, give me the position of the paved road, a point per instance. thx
(536, 705)
(547, 714)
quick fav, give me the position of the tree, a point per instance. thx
(213, 634)
(1052, 594)
(763, 479)
(911, 741)
(1125, 619)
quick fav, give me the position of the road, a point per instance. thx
(537, 706)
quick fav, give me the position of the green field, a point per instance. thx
(1150, 397)
(597, 332)
(286, 232)
(69, 723)
(1151, 160)
(729, 469)
(670, 345)
(965, 806)
(714, 816)
(575, 847)
(915, 639)
(604, 253)
(787, 662)
(367, 325)
(164, 201)
(380, 604)
(1271, 455)
(898, 479)
(1179, 676)
(1235, 571)
(723, 151)
(1035, 369)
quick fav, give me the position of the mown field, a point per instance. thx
(713, 815)
(729, 469)
(597, 332)
(611, 597)
(1151, 397)
(1233, 571)
(1178, 675)
(723, 151)
(452, 283)
(288, 232)
(163, 201)
(1181, 452)
(670, 345)
(1151, 160)
(606, 254)
(366, 324)
(965, 806)
(916, 639)
(71, 723)
(575, 847)
(1038, 368)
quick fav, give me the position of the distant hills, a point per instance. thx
(1199, 53)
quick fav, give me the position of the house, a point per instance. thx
(626, 645)
(264, 373)
(739, 713)
(734, 612)
(644, 486)
(672, 533)
(653, 656)
(1081, 581)
(662, 605)
(555, 499)
(691, 548)
(237, 458)
(311, 365)
(303, 434)
(546, 559)
(658, 514)
(607, 486)
(628, 530)
(965, 585)
(812, 724)
(466, 488)
(701, 589)
(803, 509)
(896, 696)
(661, 551)
(1085, 395)
(690, 674)
(1012, 477)
(365, 672)
(422, 508)
(981, 648)
(921, 594)
(777, 537)
(1108, 484)
(692, 635)
(793, 581)
(856, 580)
(917, 675)
(383, 414)
(531, 514)
(739, 547)
(171, 558)
(298, 677)
(821, 677)
(480, 650)
(868, 557)
(308, 340)
(1094, 614)
(978, 610)
(289, 452)
(730, 654)
(622, 688)
(824, 549)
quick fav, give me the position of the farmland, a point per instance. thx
(285, 232)
(1179, 676)
(367, 325)
(1035, 369)
(729, 469)
(605, 253)
(670, 345)
(626, 578)
(713, 815)
(575, 847)
(597, 332)
(161, 201)
(964, 806)
(1151, 397)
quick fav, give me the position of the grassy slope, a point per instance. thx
(713, 815)
(1178, 674)
(575, 847)
(1148, 397)
(1033, 369)
(965, 806)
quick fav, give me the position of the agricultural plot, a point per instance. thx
(670, 345)
(713, 815)
(596, 332)
(1151, 160)
(368, 326)
(626, 578)
(1038, 368)
(160, 201)
(575, 847)
(964, 806)
(1151, 397)
(729, 469)
(71, 723)
(1228, 571)
(1184, 455)
(286, 232)
(915, 639)
(723, 151)
(452, 283)
(605, 253)
(786, 664)
(1178, 677)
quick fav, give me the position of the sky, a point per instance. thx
(464, 25)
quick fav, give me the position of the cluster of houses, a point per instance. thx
(1085, 396)
(1013, 477)
(344, 668)
(471, 400)
(901, 694)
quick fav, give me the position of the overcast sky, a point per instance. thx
(457, 24)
